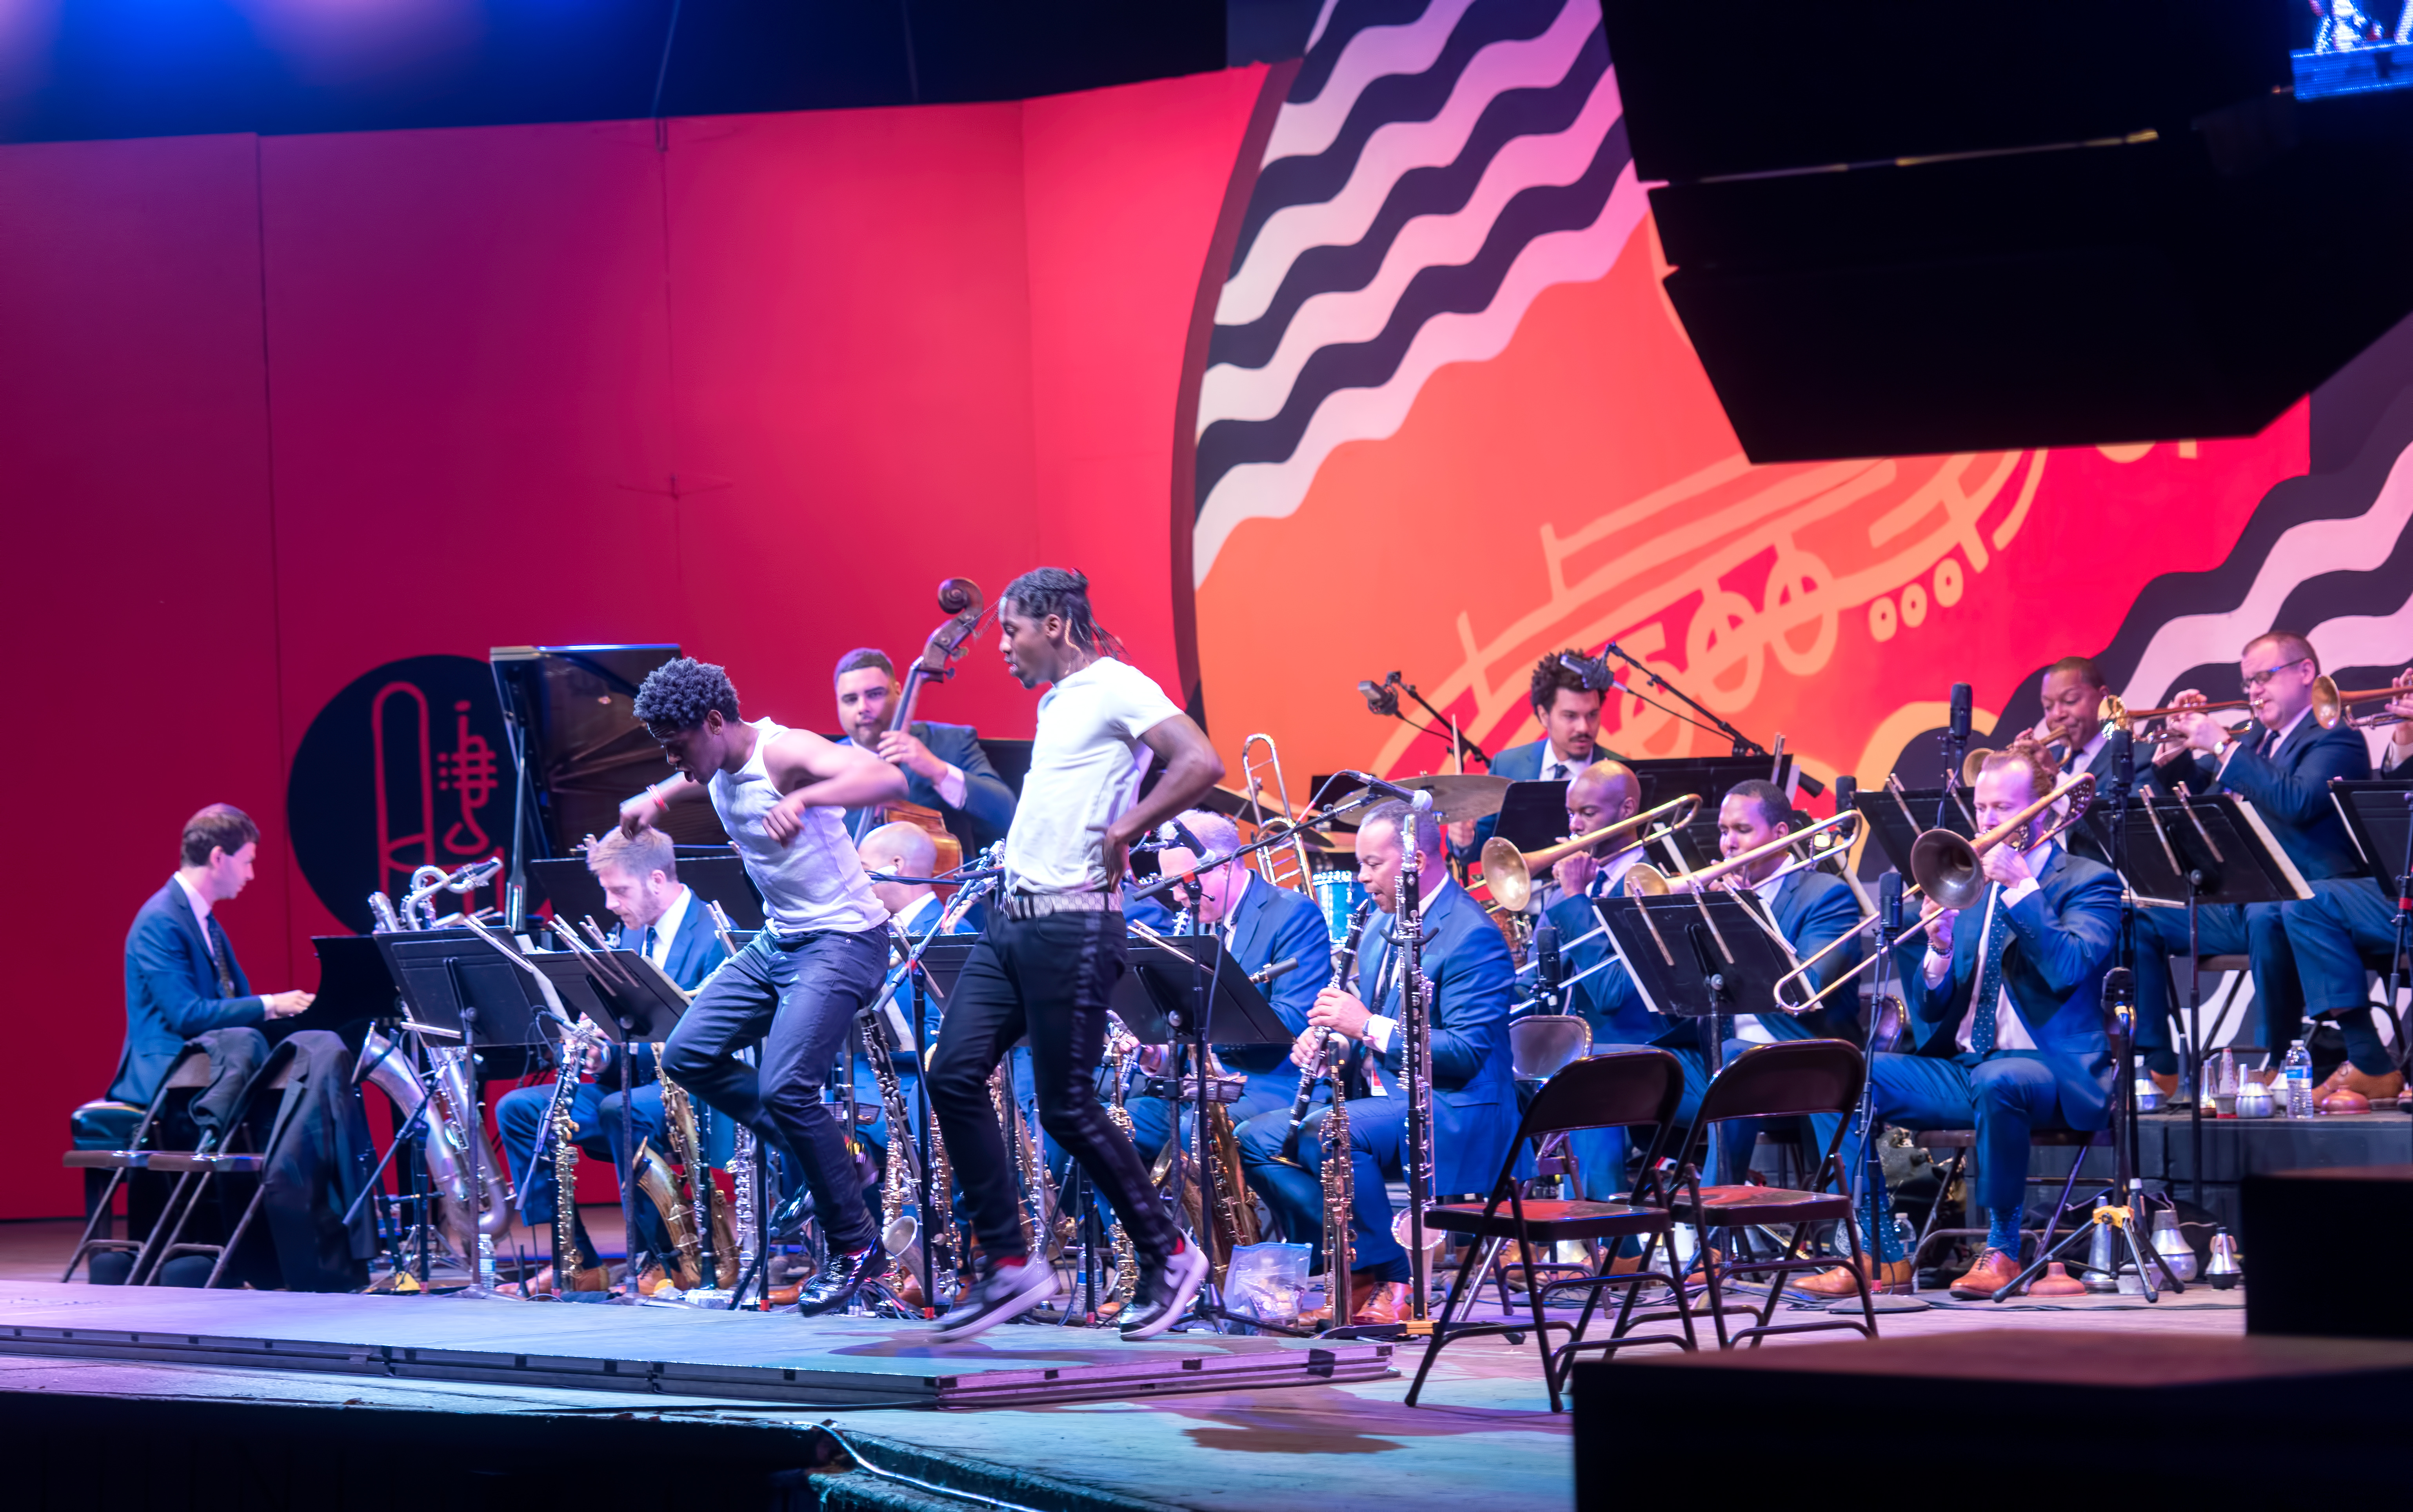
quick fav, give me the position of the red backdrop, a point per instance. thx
(278, 410)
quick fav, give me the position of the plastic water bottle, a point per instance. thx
(2297, 1068)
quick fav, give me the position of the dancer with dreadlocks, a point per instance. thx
(821, 956)
(1051, 956)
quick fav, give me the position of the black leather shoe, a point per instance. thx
(838, 1280)
(1166, 1289)
(788, 1219)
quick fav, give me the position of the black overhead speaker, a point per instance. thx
(1965, 228)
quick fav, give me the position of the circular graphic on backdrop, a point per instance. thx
(408, 766)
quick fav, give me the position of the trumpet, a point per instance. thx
(1508, 872)
(1948, 870)
(2330, 706)
(1648, 879)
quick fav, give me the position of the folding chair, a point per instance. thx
(1621, 1089)
(187, 1075)
(1770, 1081)
(201, 1167)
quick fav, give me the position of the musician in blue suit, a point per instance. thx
(1259, 924)
(2006, 1004)
(181, 979)
(1812, 910)
(1569, 713)
(1474, 1091)
(1603, 793)
(2284, 766)
(945, 768)
(2346, 919)
(661, 918)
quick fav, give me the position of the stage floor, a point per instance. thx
(1484, 1435)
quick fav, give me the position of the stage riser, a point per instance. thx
(2236, 1149)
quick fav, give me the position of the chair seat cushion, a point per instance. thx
(185, 1160)
(103, 1125)
(1735, 1206)
(1548, 1219)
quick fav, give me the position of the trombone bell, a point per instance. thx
(1508, 872)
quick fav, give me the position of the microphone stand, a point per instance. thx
(1743, 743)
(1380, 700)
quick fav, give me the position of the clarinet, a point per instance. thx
(1415, 1055)
(1344, 967)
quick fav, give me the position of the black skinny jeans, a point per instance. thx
(801, 998)
(1051, 977)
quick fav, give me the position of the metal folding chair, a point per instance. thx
(188, 1075)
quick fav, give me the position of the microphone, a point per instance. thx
(1593, 670)
(1890, 902)
(1277, 968)
(1960, 714)
(1847, 790)
(1546, 957)
(1380, 698)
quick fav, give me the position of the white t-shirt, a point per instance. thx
(1086, 764)
(813, 882)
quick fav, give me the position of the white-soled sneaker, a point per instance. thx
(1006, 1293)
(1166, 1289)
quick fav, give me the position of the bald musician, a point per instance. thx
(2283, 764)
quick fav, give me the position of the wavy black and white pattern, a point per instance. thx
(1433, 168)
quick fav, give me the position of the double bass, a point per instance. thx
(965, 607)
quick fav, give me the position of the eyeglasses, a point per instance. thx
(2253, 680)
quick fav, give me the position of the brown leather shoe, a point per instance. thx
(1362, 1286)
(1987, 1277)
(2346, 1078)
(2168, 1082)
(1386, 1303)
(1891, 1277)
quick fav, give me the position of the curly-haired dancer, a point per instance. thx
(1050, 961)
(800, 984)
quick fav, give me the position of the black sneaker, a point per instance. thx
(838, 1280)
(1166, 1289)
(1007, 1292)
(788, 1219)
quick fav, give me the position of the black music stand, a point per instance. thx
(455, 985)
(2380, 817)
(714, 872)
(1668, 778)
(1697, 955)
(2204, 850)
(1183, 990)
(1532, 814)
(1897, 817)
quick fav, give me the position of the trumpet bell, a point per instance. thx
(1946, 868)
(1974, 764)
(1509, 879)
(1647, 880)
(2328, 707)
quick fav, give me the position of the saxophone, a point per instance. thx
(1338, 1170)
(569, 1254)
(686, 1144)
(1119, 1049)
(1038, 1187)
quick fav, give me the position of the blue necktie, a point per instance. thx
(1990, 975)
(647, 949)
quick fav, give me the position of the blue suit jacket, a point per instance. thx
(1276, 924)
(2290, 787)
(171, 992)
(1605, 1000)
(695, 950)
(2063, 938)
(1474, 1092)
(988, 803)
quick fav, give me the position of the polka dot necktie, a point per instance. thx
(1990, 975)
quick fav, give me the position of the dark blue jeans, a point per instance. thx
(800, 997)
(1051, 978)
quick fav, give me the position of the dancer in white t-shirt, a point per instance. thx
(1050, 959)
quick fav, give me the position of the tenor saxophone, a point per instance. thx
(569, 1254)
(1118, 1048)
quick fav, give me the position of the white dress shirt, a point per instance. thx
(1747, 1026)
(1379, 1028)
(2010, 1030)
(666, 929)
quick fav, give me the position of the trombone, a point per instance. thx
(1646, 878)
(1508, 872)
(1270, 863)
(1948, 869)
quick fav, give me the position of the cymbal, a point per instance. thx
(1454, 797)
